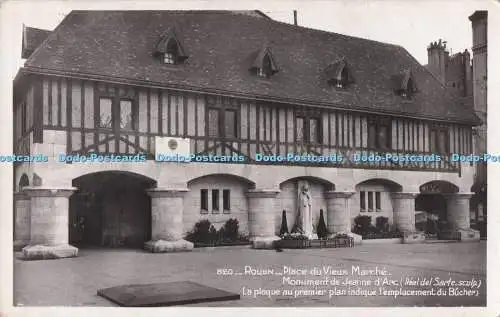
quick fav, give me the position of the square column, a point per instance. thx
(338, 214)
(49, 231)
(167, 223)
(261, 218)
(458, 214)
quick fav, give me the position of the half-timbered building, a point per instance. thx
(234, 84)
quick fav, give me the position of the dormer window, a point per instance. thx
(404, 84)
(339, 74)
(264, 64)
(170, 49)
(170, 57)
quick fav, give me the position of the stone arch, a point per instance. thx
(217, 197)
(390, 184)
(287, 200)
(314, 179)
(438, 187)
(373, 198)
(111, 208)
(251, 184)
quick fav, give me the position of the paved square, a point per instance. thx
(74, 281)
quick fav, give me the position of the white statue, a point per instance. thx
(304, 216)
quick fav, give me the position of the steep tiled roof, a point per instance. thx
(32, 38)
(221, 47)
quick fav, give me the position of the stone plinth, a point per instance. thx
(167, 226)
(404, 211)
(414, 237)
(22, 220)
(49, 231)
(261, 218)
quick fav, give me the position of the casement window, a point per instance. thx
(215, 201)
(204, 201)
(379, 134)
(308, 129)
(222, 119)
(370, 201)
(116, 113)
(266, 69)
(439, 139)
(226, 200)
(264, 64)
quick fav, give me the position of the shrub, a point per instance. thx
(284, 225)
(201, 232)
(321, 230)
(362, 223)
(230, 230)
(294, 236)
(382, 224)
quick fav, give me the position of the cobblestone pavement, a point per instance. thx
(74, 281)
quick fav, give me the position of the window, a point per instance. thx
(379, 134)
(308, 130)
(126, 115)
(264, 64)
(362, 201)
(222, 122)
(226, 200)
(215, 200)
(230, 123)
(372, 200)
(439, 140)
(124, 119)
(105, 113)
(204, 200)
(377, 201)
(266, 69)
(213, 122)
(169, 58)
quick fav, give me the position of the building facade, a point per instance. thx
(230, 85)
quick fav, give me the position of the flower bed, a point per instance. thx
(381, 235)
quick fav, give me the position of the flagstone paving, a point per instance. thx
(75, 281)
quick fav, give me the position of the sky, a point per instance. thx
(412, 25)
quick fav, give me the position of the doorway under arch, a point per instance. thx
(431, 208)
(110, 209)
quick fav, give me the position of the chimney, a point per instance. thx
(294, 17)
(437, 59)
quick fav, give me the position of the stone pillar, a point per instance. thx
(338, 211)
(404, 211)
(458, 214)
(338, 214)
(404, 216)
(49, 228)
(261, 218)
(167, 223)
(22, 220)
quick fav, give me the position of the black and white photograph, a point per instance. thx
(289, 155)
